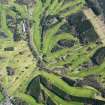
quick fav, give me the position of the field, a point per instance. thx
(30, 71)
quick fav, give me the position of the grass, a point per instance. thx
(22, 73)
(24, 64)
(3, 13)
(58, 100)
(28, 99)
(69, 89)
(17, 62)
(77, 56)
(94, 70)
(1, 97)
(23, 79)
(39, 12)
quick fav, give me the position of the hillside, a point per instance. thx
(51, 53)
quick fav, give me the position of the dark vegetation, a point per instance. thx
(66, 43)
(94, 5)
(99, 57)
(26, 2)
(83, 28)
(60, 92)
(10, 71)
(17, 101)
(3, 35)
(9, 49)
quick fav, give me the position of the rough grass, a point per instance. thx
(1, 97)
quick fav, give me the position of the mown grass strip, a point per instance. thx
(75, 91)
(58, 100)
(28, 99)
